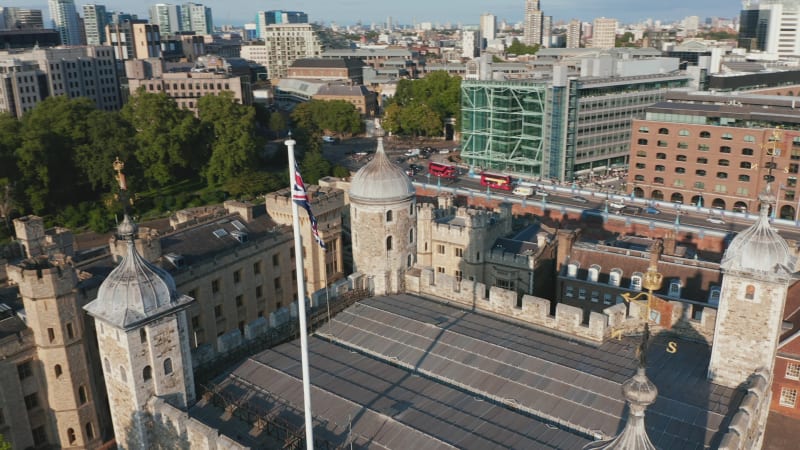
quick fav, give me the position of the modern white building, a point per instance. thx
(771, 26)
(470, 44)
(604, 33)
(94, 24)
(488, 26)
(65, 20)
(574, 34)
(285, 43)
(533, 23)
(197, 18)
(167, 17)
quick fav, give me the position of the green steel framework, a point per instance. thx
(502, 126)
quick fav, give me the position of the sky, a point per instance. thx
(346, 12)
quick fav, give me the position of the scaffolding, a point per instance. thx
(503, 126)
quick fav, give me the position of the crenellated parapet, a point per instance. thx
(43, 278)
(746, 428)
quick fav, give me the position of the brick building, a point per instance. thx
(332, 69)
(714, 150)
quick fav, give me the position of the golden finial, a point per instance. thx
(118, 166)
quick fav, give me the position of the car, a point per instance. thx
(329, 139)
(651, 210)
(542, 193)
(579, 199)
(616, 205)
(416, 167)
(715, 220)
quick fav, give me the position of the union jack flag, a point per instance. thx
(300, 196)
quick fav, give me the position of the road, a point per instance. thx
(346, 154)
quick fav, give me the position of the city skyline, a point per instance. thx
(237, 12)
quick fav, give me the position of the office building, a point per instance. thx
(277, 17)
(286, 43)
(533, 23)
(470, 44)
(65, 20)
(569, 127)
(574, 33)
(488, 26)
(166, 17)
(28, 77)
(12, 18)
(771, 26)
(705, 149)
(547, 31)
(94, 23)
(135, 39)
(604, 33)
(196, 18)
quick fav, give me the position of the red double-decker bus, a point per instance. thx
(496, 181)
(442, 170)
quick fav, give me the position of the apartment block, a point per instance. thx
(135, 39)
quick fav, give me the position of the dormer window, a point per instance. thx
(572, 270)
(675, 289)
(636, 281)
(615, 277)
(713, 296)
(594, 273)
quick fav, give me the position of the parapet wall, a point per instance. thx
(616, 320)
(190, 430)
(746, 429)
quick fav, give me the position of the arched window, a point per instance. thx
(89, 430)
(658, 180)
(167, 366)
(747, 151)
(644, 130)
(142, 335)
(663, 131)
(705, 134)
(107, 365)
(411, 209)
(71, 435)
(642, 141)
(661, 156)
(409, 262)
(749, 138)
(750, 292)
(683, 132)
(680, 170)
(388, 243)
(724, 162)
(82, 397)
(680, 157)
(122, 375)
(722, 175)
(389, 215)
(724, 149)
(727, 137)
(745, 165)
(58, 370)
(702, 160)
(638, 177)
(700, 172)
(744, 178)
(411, 236)
(147, 373)
(660, 168)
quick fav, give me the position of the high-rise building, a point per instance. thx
(135, 39)
(547, 30)
(488, 26)
(166, 17)
(533, 23)
(604, 33)
(197, 18)
(27, 78)
(94, 23)
(277, 17)
(574, 34)
(20, 18)
(470, 44)
(771, 26)
(286, 43)
(65, 21)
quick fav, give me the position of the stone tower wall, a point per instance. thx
(371, 231)
(131, 352)
(744, 323)
(54, 314)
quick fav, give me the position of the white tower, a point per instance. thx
(383, 223)
(758, 270)
(143, 340)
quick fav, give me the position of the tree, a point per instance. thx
(6, 201)
(50, 133)
(392, 122)
(518, 48)
(314, 167)
(233, 127)
(626, 40)
(4, 444)
(9, 142)
(109, 137)
(167, 143)
(437, 96)
(252, 183)
(277, 123)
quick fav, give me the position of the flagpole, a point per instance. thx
(301, 299)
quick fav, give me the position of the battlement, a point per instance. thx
(688, 320)
(323, 200)
(43, 278)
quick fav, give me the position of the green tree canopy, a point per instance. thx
(167, 143)
(235, 145)
(314, 166)
(50, 133)
(438, 93)
(109, 137)
(518, 48)
(9, 142)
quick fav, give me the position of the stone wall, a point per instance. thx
(198, 435)
(567, 319)
(746, 430)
